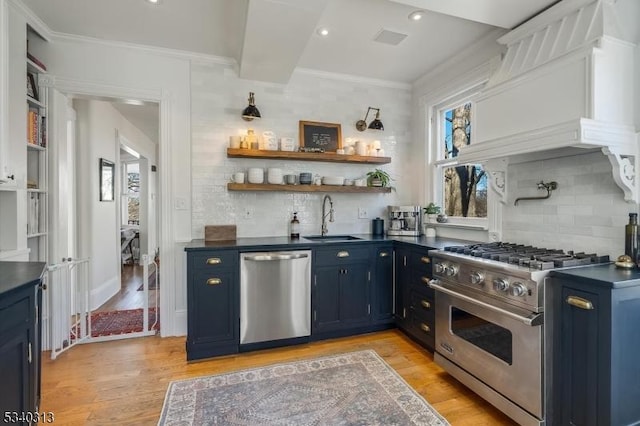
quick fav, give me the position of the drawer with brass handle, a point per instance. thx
(341, 255)
(214, 281)
(218, 259)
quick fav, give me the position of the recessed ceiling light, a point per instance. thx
(416, 15)
(323, 32)
(153, 1)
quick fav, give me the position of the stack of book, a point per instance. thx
(36, 128)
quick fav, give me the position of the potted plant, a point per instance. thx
(379, 178)
(432, 210)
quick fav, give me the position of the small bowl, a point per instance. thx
(333, 180)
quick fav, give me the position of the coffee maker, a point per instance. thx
(405, 220)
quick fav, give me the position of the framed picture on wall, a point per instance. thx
(107, 173)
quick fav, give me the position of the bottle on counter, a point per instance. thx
(631, 237)
(295, 226)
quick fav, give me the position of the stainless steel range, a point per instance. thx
(491, 331)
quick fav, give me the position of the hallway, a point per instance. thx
(129, 297)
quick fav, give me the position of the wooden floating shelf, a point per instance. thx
(331, 157)
(305, 188)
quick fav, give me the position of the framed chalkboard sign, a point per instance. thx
(325, 136)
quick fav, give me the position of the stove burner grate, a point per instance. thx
(528, 256)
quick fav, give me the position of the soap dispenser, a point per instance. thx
(295, 226)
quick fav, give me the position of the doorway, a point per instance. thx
(138, 296)
(123, 293)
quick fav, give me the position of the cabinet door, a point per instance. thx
(214, 301)
(382, 297)
(326, 298)
(402, 283)
(354, 294)
(14, 369)
(579, 367)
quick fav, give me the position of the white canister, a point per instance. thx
(269, 141)
(361, 148)
(287, 144)
(255, 175)
(274, 176)
(234, 142)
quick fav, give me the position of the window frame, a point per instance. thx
(437, 165)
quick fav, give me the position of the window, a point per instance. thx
(133, 193)
(462, 187)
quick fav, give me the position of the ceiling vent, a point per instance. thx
(389, 37)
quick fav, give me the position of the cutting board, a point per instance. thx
(219, 232)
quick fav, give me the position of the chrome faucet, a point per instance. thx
(324, 215)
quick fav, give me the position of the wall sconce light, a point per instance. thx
(251, 111)
(376, 124)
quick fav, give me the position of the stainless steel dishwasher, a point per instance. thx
(275, 295)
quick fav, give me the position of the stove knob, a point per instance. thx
(477, 278)
(439, 268)
(501, 284)
(451, 271)
(518, 289)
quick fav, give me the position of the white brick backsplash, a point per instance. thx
(218, 97)
(586, 213)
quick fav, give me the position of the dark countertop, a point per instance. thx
(607, 275)
(279, 243)
(14, 275)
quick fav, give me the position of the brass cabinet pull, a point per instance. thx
(214, 261)
(384, 254)
(425, 259)
(425, 304)
(343, 253)
(579, 302)
(214, 281)
(425, 328)
(425, 280)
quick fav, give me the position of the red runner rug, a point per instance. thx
(121, 322)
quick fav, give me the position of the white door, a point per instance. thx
(67, 318)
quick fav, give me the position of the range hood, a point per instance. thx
(563, 87)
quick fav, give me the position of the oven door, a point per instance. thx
(502, 347)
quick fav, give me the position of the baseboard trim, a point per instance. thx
(104, 292)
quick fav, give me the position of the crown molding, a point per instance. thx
(460, 56)
(34, 21)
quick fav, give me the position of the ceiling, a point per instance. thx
(269, 39)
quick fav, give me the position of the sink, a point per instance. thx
(327, 238)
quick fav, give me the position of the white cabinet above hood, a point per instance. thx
(565, 85)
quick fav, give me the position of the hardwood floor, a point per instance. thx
(129, 297)
(124, 381)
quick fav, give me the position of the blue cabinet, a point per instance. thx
(415, 300)
(382, 297)
(213, 303)
(340, 295)
(595, 326)
(20, 318)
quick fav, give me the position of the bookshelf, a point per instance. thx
(37, 202)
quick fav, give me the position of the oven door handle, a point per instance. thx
(533, 320)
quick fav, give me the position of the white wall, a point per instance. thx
(586, 213)
(98, 128)
(93, 67)
(218, 99)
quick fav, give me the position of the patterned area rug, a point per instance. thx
(356, 388)
(120, 322)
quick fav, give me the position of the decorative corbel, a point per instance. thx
(624, 173)
(497, 173)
